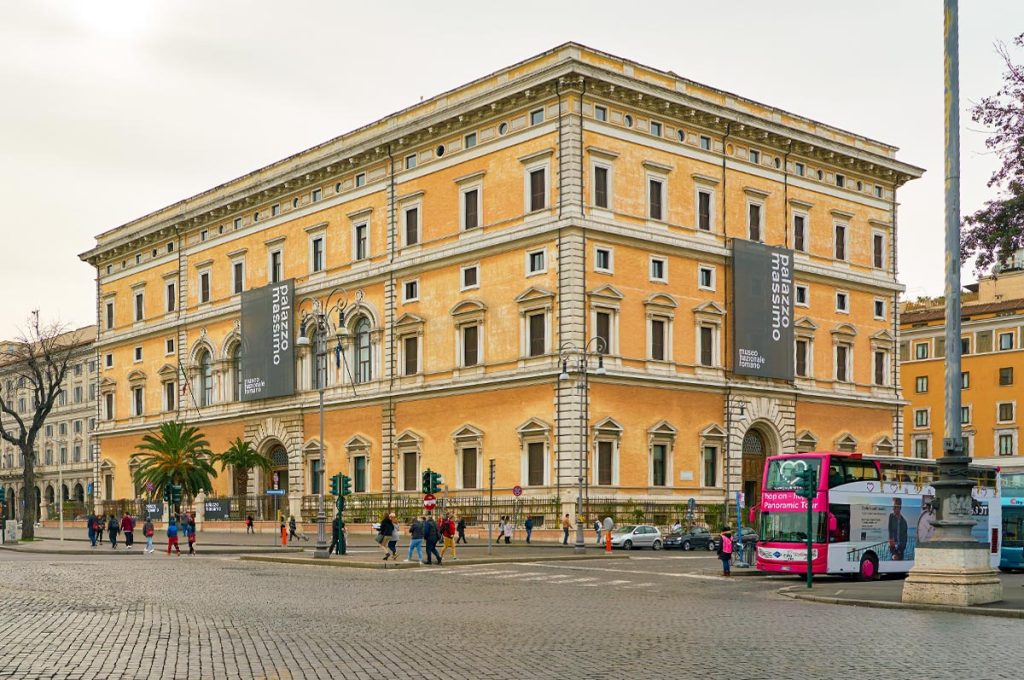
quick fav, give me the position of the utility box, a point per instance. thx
(11, 531)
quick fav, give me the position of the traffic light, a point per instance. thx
(336, 485)
(426, 479)
(805, 483)
(176, 493)
(346, 486)
(2, 496)
(435, 482)
(167, 493)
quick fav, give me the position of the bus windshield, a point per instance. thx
(1012, 484)
(791, 527)
(1013, 527)
(782, 471)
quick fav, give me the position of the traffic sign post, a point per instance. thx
(429, 502)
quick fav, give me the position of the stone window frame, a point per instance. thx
(660, 307)
(533, 431)
(168, 375)
(462, 277)
(409, 442)
(805, 329)
(802, 209)
(465, 438)
(608, 299)
(882, 341)
(846, 443)
(707, 185)
(313, 233)
(806, 442)
(531, 163)
(357, 219)
(924, 421)
(471, 312)
(610, 251)
(1013, 407)
(610, 431)
(1005, 431)
(531, 302)
(311, 454)
(137, 386)
(171, 297)
(704, 266)
(662, 433)
(410, 326)
(358, 446)
(406, 203)
(843, 334)
(709, 314)
(758, 197)
(466, 184)
(713, 436)
(656, 172)
(605, 159)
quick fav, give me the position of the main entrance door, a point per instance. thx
(278, 468)
(754, 451)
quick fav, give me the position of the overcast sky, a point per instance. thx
(115, 108)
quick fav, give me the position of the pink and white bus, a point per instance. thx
(868, 517)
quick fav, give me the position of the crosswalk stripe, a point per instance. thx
(520, 574)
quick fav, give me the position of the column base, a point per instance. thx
(957, 574)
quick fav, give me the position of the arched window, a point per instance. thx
(205, 379)
(236, 370)
(364, 367)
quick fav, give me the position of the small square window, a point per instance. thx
(108, 361)
(921, 384)
(138, 259)
(1006, 412)
(656, 128)
(203, 234)
(802, 296)
(1005, 341)
(470, 277)
(275, 210)
(921, 350)
(1006, 375)
(706, 277)
(840, 180)
(601, 113)
(842, 302)
(411, 291)
(361, 179)
(705, 142)
(603, 260)
(469, 140)
(755, 156)
(169, 346)
(879, 309)
(410, 161)
(535, 263)
(537, 117)
(659, 270)
(799, 169)
(170, 246)
(316, 195)
(921, 418)
(138, 354)
(878, 191)
(238, 222)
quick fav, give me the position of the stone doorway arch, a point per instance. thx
(755, 449)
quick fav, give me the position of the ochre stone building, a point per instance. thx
(570, 196)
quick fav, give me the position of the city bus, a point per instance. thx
(1011, 496)
(868, 516)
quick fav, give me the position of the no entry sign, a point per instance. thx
(517, 490)
(429, 502)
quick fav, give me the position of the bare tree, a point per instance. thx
(35, 365)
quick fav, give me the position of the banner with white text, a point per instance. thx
(762, 310)
(268, 355)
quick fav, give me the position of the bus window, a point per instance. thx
(791, 527)
(782, 471)
(858, 471)
(835, 474)
(838, 523)
(1013, 527)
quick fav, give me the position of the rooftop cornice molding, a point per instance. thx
(567, 68)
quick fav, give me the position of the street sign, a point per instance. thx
(429, 502)
(155, 511)
(217, 509)
(517, 491)
(275, 492)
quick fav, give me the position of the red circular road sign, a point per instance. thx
(517, 490)
(429, 501)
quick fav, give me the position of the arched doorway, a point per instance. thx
(755, 449)
(79, 493)
(278, 468)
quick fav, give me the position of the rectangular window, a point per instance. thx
(603, 260)
(921, 384)
(537, 334)
(705, 142)
(880, 366)
(921, 350)
(204, 287)
(139, 307)
(535, 262)
(706, 277)
(537, 117)
(801, 296)
(707, 346)
(798, 168)
(410, 460)
(604, 463)
(656, 128)
(710, 466)
(78, 394)
(237, 224)
(842, 302)
(110, 315)
(256, 216)
(412, 226)
(840, 242)
(361, 249)
(754, 221)
(275, 210)
(600, 186)
(316, 476)
(1006, 445)
(203, 234)
(704, 210)
(965, 415)
(470, 277)
(801, 358)
(410, 347)
(603, 330)
(601, 113)
(878, 191)
(840, 180)
(535, 464)
(169, 346)
(468, 468)
(537, 189)
(921, 418)
(410, 161)
(470, 348)
(1006, 375)
(842, 363)
(755, 156)
(920, 448)
(1006, 412)
(658, 339)
(361, 179)
(471, 208)
(659, 464)
(470, 140)
(237, 277)
(172, 296)
(411, 291)
(799, 222)
(275, 266)
(654, 194)
(878, 250)
(359, 474)
(136, 401)
(1005, 341)
(138, 353)
(879, 309)
(317, 253)
(965, 345)
(659, 270)
(965, 380)
(316, 195)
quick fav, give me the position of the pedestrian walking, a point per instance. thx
(128, 527)
(509, 526)
(335, 534)
(430, 537)
(461, 528)
(393, 539)
(91, 525)
(284, 532)
(724, 549)
(190, 534)
(387, 527)
(291, 530)
(101, 527)
(416, 539)
(147, 531)
(528, 525)
(448, 536)
(248, 525)
(566, 525)
(501, 528)
(113, 529)
(172, 537)
(597, 530)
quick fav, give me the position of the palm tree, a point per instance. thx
(243, 458)
(175, 454)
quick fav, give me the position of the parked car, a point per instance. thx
(637, 536)
(696, 538)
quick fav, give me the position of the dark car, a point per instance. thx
(694, 539)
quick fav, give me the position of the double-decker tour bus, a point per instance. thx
(869, 515)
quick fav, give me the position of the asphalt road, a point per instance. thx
(652, 616)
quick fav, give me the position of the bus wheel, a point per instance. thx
(868, 568)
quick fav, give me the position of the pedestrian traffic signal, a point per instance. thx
(176, 493)
(336, 485)
(167, 493)
(346, 485)
(425, 482)
(435, 482)
(2, 496)
(805, 482)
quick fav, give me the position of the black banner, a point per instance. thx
(762, 310)
(217, 509)
(155, 510)
(268, 355)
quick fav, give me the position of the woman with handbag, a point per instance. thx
(387, 527)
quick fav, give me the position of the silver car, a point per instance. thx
(637, 536)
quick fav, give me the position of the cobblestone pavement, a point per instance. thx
(659, 616)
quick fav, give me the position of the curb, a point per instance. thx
(309, 561)
(90, 551)
(883, 604)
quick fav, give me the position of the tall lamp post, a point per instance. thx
(319, 318)
(577, 359)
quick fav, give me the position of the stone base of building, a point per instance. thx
(958, 575)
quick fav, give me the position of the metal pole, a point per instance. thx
(321, 378)
(581, 546)
(490, 511)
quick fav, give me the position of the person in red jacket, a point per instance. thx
(448, 535)
(128, 527)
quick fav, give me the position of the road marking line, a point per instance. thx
(632, 571)
(641, 585)
(521, 574)
(581, 581)
(616, 583)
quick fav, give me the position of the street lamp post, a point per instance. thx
(578, 359)
(319, 319)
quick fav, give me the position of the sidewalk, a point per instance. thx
(887, 594)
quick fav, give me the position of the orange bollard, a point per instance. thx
(284, 535)
(607, 541)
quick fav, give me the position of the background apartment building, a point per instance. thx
(992, 346)
(575, 195)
